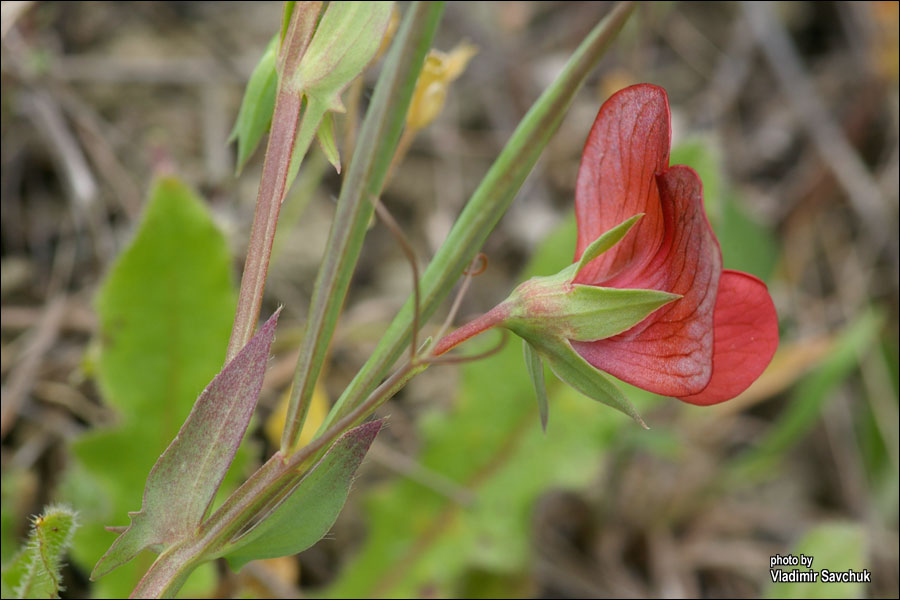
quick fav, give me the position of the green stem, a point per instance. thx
(268, 204)
(364, 180)
(485, 207)
(273, 184)
(171, 568)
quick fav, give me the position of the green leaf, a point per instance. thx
(310, 510)
(345, 42)
(485, 208)
(536, 372)
(325, 135)
(255, 114)
(597, 313)
(183, 482)
(421, 542)
(835, 547)
(165, 312)
(571, 367)
(378, 139)
(35, 572)
(606, 241)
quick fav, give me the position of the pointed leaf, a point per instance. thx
(313, 114)
(325, 135)
(569, 366)
(310, 510)
(598, 312)
(536, 372)
(35, 572)
(165, 311)
(606, 241)
(550, 306)
(255, 114)
(184, 480)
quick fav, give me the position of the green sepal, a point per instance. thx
(571, 368)
(311, 508)
(255, 114)
(536, 372)
(346, 39)
(547, 306)
(598, 312)
(606, 241)
(325, 135)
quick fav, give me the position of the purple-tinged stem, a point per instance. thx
(493, 317)
(268, 205)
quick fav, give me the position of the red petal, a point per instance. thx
(746, 336)
(670, 352)
(627, 147)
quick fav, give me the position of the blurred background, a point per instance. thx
(789, 111)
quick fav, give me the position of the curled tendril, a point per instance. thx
(477, 266)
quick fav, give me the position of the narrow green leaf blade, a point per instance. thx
(35, 572)
(325, 135)
(597, 313)
(569, 366)
(255, 113)
(486, 206)
(606, 241)
(184, 480)
(807, 401)
(536, 372)
(310, 510)
(378, 139)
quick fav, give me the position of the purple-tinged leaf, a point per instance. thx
(184, 481)
(309, 511)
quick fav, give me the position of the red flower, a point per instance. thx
(711, 344)
(704, 341)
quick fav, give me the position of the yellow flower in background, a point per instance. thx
(439, 70)
(318, 409)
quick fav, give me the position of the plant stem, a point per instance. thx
(268, 204)
(489, 319)
(485, 207)
(243, 507)
(276, 165)
(364, 180)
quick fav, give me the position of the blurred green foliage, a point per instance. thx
(165, 311)
(36, 572)
(746, 244)
(833, 546)
(490, 443)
